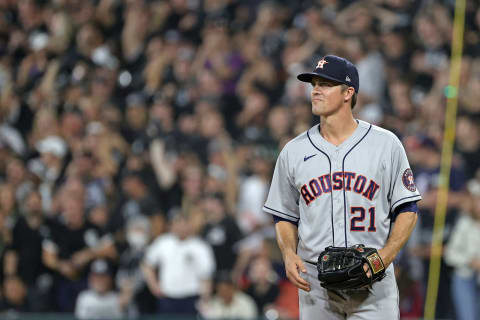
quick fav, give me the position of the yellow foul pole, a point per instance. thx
(447, 149)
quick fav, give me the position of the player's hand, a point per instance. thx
(294, 267)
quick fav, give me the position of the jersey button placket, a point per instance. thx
(338, 200)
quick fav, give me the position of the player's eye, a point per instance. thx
(323, 84)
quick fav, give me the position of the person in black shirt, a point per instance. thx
(221, 232)
(263, 287)
(137, 200)
(129, 276)
(72, 244)
(24, 256)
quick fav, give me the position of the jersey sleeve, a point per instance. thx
(282, 199)
(403, 188)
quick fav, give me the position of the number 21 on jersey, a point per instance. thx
(358, 218)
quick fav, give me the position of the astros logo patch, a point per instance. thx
(407, 179)
(321, 63)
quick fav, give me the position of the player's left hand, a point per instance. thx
(338, 267)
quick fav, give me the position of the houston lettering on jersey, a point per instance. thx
(324, 184)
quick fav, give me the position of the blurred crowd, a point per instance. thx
(138, 138)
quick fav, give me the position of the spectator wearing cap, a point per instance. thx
(185, 267)
(49, 166)
(228, 301)
(100, 301)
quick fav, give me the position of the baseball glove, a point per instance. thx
(341, 268)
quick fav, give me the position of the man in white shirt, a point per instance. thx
(185, 266)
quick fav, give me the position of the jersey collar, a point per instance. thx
(318, 139)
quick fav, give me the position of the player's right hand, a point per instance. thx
(294, 267)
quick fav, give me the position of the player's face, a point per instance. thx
(327, 96)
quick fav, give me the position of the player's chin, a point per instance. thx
(318, 110)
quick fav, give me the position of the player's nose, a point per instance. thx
(317, 91)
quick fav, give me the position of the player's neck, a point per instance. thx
(337, 128)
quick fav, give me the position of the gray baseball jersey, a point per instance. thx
(341, 195)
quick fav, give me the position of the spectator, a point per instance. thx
(138, 200)
(17, 177)
(49, 166)
(8, 203)
(462, 253)
(72, 244)
(251, 196)
(186, 264)
(263, 287)
(221, 232)
(100, 301)
(14, 296)
(82, 166)
(228, 302)
(468, 144)
(129, 275)
(427, 182)
(24, 257)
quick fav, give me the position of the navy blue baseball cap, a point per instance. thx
(334, 68)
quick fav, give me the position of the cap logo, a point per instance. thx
(347, 79)
(321, 63)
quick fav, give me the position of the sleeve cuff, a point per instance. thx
(278, 219)
(410, 206)
(401, 201)
(280, 214)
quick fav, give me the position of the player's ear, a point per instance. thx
(348, 94)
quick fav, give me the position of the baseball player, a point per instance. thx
(341, 183)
